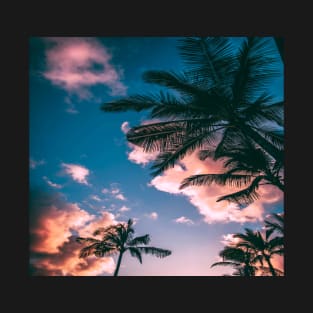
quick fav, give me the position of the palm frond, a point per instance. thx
(86, 240)
(219, 179)
(245, 196)
(211, 58)
(135, 253)
(168, 159)
(259, 64)
(158, 252)
(139, 240)
(175, 81)
(134, 102)
(225, 263)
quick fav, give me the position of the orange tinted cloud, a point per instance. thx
(53, 250)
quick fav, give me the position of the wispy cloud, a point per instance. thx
(125, 127)
(53, 249)
(96, 198)
(204, 198)
(78, 173)
(34, 163)
(76, 64)
(114, 192)
(183, 220)
(50, 183)
(124, 209)
(152, 215)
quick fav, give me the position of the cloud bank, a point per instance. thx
(54, 224)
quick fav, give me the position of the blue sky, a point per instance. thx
(80, 160)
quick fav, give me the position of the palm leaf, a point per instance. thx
(220, 179)
(158, 252)
(139, 240)
(135, 253)
(245, 196)
(225, 263)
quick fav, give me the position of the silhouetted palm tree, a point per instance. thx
(221, 96)
(241, 259)
(117, 239)
(246, 166)
(274, 223)
(263, 249)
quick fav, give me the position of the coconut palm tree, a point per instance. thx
(117, 239)
(246, 166)
(274, 223)
(241, 259)
(221, 96)
(264, 249)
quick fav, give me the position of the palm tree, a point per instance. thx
(246, 166)
(264, 249)
(220, 97)
(241, 259)
(274, 223)
(117, 239)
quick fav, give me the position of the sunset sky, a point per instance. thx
(83, 174)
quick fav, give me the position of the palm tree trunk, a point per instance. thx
(270, 266)
(118, 263)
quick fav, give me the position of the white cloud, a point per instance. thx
(152, 215)
(229, 240)
(105, 190)
(120, 197)
(50, 183)
(124, 209)
(75, 64)
(183, 220)
(78, 173)
(125, 127)
(95, 197)
(138, 156)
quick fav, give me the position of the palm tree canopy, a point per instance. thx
(222, 93)
(119, 238)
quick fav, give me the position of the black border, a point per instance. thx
(152, 19)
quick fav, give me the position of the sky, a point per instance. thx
(84, 174)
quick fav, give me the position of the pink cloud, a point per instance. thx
(77, 172)
(183, 220)
(124, 209)
(120, 196)
(54, 251)
(75, 64)
(204, 197)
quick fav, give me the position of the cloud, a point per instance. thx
(138, 156)
(50, 183)
(229, 240)
(33, 163)
(124, 209)
(125, 127)
(115, 192)
(152, 215)
(183, 220)
(76, 64)
(54, 225)
(120, 197)
(204, 197)
(95, 197)
(77, 172)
